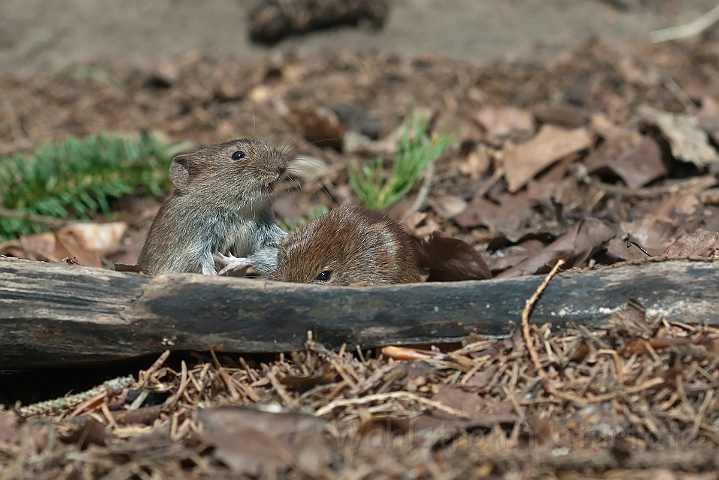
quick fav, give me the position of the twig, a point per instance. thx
(702, 410)
(423, 192)
(498, 173)
(50, 222)
(696, 184)
(598, 459)
(184, 380)
(378, 397)
(281, 392)
(690, 29)
(631, 243)
(546, 383)
(343, 373)
(679, 93)
(146, 374)
(525, 318)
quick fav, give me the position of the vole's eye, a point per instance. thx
(324, 276)
(239, 154)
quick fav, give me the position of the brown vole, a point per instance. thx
(221, 206)
(348, 246)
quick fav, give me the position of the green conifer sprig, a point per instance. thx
(78, 177)
(415, 150)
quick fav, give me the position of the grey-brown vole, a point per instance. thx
(221, 206)
(348, 246)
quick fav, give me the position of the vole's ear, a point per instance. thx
(180, 171)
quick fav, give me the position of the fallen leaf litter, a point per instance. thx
(638, 393)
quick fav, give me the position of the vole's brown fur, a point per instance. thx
(221, 205)
(348, 246)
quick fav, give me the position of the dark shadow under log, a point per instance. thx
(52, 314)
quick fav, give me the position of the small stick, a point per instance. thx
(546, 383)
(281, 392)
(184, 380)
(144, 376)
(690, 29)
(50, 222)
(423, 192)
(388, 396)
(498, 173)
(525, 318)
(632, 242)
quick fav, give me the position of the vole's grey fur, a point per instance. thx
(221, 206)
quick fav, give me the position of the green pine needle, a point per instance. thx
(413, 154)
(77, 177)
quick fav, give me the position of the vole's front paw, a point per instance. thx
(230, 263)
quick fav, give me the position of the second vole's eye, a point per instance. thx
(324, 276)
(239, 154)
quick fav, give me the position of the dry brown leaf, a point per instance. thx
(678, 207)
(604, 127)
(450, 259)
(103, 238)
(668, 220)
(511, 256)
(509, 217)
(502, 123)
(710, 125)
(458, 399)
(35, 247)
(318, 125)
(636, 166)
(524, 161)
(701, 243)
(420, 224)
(87, 242)
(88, 431)
(627, 252)
(448, 206)
(251, 441)
(686, 138)
(652, 234)
(574, 247)
(482, 378)
(476, 163)
(470, 404)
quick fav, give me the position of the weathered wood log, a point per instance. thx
(56, 313)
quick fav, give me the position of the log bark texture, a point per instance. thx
(54, 313)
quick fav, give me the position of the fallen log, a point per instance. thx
(55, 313)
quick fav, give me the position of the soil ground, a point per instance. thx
(627, 140)
(38, 35)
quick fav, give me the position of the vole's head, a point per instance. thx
(348, 246)
(233, 173)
